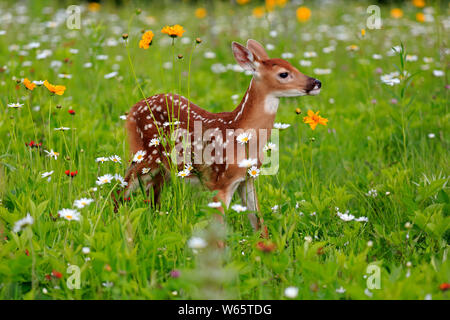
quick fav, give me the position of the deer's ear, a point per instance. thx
(257, 49)
(243, 56)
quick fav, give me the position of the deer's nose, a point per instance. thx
(317, 84)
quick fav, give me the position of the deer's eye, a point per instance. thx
(283, 75)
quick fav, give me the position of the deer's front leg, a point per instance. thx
(247, 191)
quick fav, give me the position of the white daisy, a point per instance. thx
(107, 178)
(411, 58)
(83, 202)
(372, 193)
(340, 290)
(188, 167)
(139, 156)
(345, 216)
(197, 243)
(376, 56)
(154, 142)
(247, 163)
(69, 214)
(279, 125)
(61, 129)
(438, 73)
(52, 154)
(184, 173)
(310, 54)
(22, 223)
(15, 105)
(145, 170)
(291, 292)
(65, 76)
(270, 146)
(320, 71)
(253, 171)
(238, 208)
(47, 174)
(122, 181)
(115, 158)
(243, 138)
(214, 204)
(101, 159)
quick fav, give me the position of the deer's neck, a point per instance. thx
(257, 109)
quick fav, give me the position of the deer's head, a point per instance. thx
(278, 76)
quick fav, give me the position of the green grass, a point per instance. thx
(366, 145)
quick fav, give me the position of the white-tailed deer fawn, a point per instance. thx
(151, 124)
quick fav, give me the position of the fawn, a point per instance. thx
(155, 117)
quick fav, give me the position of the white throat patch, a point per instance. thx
(271, 104)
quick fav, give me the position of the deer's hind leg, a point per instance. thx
(247, 192)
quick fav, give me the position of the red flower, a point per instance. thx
(268, 246)
(72, 112)
(57, 274)
(445, 286)
(71, 173)
(33, 144)
(127, 199)
(27, 252)
(48, 277)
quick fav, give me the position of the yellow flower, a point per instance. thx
(363, 32)
(173, 31)
(94, 6)
(146, 40)
(313, 119)
(241, 2)
(59, 90)
(396, 13)
(270, 5)
(281, 3)
(419, 3)
(303, 14)
(420, 17)
(258, 12)
(28, 84)
(200, 13)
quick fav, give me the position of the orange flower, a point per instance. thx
(146, 40)
(363, 32)
(28, 84)
(396, 13)
(173, 31)
(59, 90)
(303, 14)
(420, 17)
(270, 5)
(419, 3)
(258, 12)
(281, 3)
(241, 2)
(200, 13)
(94, 6)
(313, 119)
(444, 286)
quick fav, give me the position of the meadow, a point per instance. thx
(359, 208)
